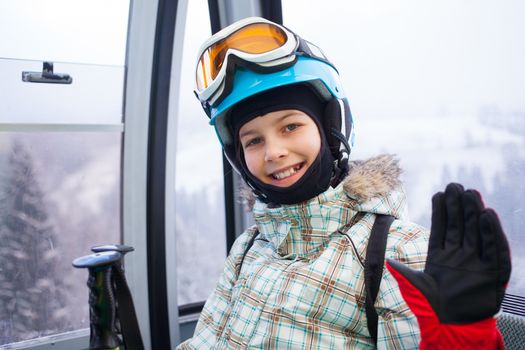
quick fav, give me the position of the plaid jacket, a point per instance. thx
(300, 286)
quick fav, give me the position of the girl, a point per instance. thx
(296, 279)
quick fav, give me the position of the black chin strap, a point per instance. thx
(262, 197)
(341, 163)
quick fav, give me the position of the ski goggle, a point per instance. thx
(252, 41)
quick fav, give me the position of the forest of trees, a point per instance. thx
(59, 196)
(31, 289)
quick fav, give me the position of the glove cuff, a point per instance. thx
(480, 335)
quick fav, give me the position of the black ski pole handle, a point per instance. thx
(102, 304)
(126, 321)
(121, 248)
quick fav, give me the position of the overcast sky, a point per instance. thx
(421, 56)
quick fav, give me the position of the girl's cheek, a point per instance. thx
(249, 157)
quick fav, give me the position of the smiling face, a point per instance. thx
(280, 146)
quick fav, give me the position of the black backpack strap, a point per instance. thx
(374, 261)
(248, 247)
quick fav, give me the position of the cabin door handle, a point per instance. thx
(47, 76)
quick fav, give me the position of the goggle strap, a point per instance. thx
(205, 105)
(305, 48)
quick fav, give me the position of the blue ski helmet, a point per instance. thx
(240, 75)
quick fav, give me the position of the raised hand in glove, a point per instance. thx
(466, 273)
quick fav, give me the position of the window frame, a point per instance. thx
(222, 13)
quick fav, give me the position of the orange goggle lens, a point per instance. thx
(254, 38)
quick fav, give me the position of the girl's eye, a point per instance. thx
(291, 127)
(252, 142)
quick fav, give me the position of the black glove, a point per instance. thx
(468, 264)
(467, 269)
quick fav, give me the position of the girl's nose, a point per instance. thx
(274, 150)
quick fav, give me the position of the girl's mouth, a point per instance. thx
(287, 173)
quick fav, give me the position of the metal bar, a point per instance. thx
(156, 177)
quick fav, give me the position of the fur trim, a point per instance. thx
(366, 179)
(374, 177)
(247, 197)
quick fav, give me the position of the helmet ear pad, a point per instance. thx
(332, 121)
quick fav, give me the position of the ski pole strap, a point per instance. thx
(374, 262)
(112, 312)
(127, 322)
(126, 311)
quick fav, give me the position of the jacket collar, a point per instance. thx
(303, 229)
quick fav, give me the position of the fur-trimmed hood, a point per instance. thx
(371, 178)
(366, 179)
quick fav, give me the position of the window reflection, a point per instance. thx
(59, 195)
(200, 222)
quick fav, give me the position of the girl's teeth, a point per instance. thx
(286, 173)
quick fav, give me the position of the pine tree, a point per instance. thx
(31, 295)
